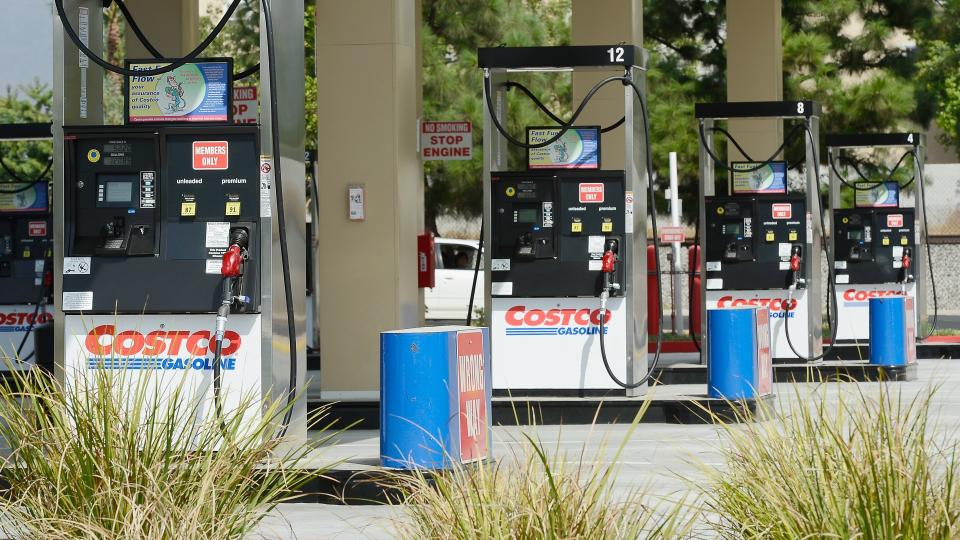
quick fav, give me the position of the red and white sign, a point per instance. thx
(894, 220)
(910, 331)
(245, 105)
(764, 355)
(37, 228)
(472, 388)
(444, 141)
(211, 155)
(591, 193)
(552, 343)
(672, 234)
(782, 210)
(171, 351)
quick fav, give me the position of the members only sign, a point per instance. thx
(446, 140)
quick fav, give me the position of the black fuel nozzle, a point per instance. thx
(240, 236)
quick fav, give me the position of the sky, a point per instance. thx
(26, 42)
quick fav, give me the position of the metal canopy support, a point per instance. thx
(496, 63)
(809, 111)
(909, 140)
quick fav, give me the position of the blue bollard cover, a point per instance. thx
(740, 365)
(435, 392)
(892, 331)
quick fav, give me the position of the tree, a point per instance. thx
(841, 53)
(451, 33)
(27, 159)
(939, 70)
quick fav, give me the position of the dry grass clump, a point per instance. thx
(863, 466)
(536, 492)
(110, 458)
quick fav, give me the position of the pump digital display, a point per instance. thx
(855, 234)
(115, 189)
(527, 215)
(196, 92)
(578, 148)
(884, 195)
(769, 178)
(732, 228)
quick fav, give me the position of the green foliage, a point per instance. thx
(111, 457)
(863, 466)
(31, 103)
(939, 70)
(453, 84)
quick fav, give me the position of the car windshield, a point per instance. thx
(458, 256)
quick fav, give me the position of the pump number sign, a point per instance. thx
(444, 141)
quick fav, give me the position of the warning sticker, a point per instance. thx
(266, 181)
(218, 234)
(213, 266)
(76, 266)
(77, 301)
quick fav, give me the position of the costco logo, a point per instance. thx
(552, 322)
(774, 305)
(210, 155)
(853, 297)
(159, 349)
(591, 193)
(20, 321)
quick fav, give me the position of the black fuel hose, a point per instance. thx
(761, 164)
(281, 220)
(39, 179)
(926, 241)
(873, 183)
(476, 272)
(175, 62)
(546, 110)
(156, 53)
(692, 273)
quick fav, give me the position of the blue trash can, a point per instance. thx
(739, 364)
(434, 397)
(892, 331)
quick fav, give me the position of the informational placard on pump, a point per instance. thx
(750, 177)
(882, 195)
(578, 148)
(24, 197)
(196, 92)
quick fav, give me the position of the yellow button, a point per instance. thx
(886, 241)
(771, 236)
(188, 209)
(606, 227)
(903, 240)
(26, 253)
(233, 208)
(576, 226)
(792, 236)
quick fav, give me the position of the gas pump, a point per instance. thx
(26, 253)
(879, 242)
(760, 245)
(164, 248)
(566, 261)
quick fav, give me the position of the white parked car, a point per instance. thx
(448, 300)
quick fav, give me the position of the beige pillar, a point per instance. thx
(172, 26)
(367, 95)
(754, 71)
(605, 22)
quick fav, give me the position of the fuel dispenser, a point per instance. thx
(26, 253)
(879, 242)
(165, 247)
(760, 244)
(565, 267)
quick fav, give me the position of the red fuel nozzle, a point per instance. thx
(906, 261)
(48, 279)
(608, 262)
(795, 262)
(231, 262)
